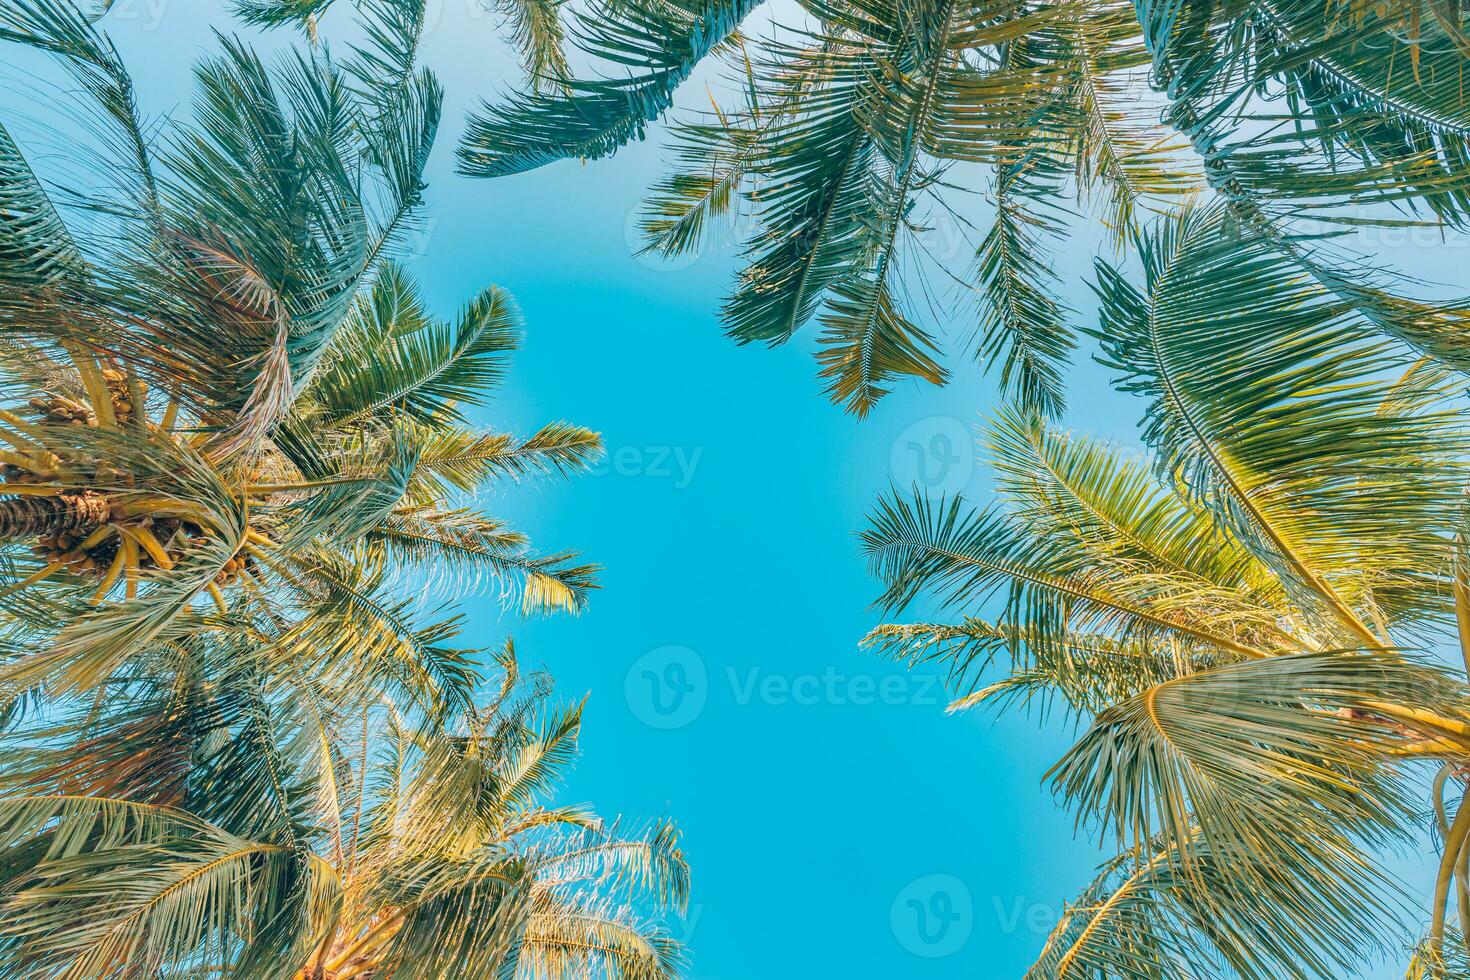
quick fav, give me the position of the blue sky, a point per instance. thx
(838, 823)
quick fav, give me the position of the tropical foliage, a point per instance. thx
(1249, 619)
(853, 143)
(237, 738)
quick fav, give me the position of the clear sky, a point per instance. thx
(838, 823)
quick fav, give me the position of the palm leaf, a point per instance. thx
(662, 39)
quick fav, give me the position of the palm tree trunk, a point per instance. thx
(29, 517)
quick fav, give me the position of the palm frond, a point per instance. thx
(1318, 910)
(408, 365)
(576, 118)
(1251, 753)
(1297, 458)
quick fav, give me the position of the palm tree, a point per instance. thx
(216, 815)
(850, 136)
(234, 395)
(1251, 619)
(236, 740)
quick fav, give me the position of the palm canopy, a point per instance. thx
(227, 811)
(231, 394)
(236, 449)
(850, 136)
(1247, 617)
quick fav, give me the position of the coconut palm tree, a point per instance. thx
(229, 812)
(853, 141)
(1252, 620)
(229, 395)
(236, 739)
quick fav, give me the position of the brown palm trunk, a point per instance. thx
(30, 517)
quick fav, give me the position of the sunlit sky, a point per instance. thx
(837, 821)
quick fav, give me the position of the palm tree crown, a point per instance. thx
(849, 137)
(236, 459)
(1246, 618)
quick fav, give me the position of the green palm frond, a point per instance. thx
(651, 860)
(598, 942)
(1114, 137)
(1069, 485)
(463, 459)
(1319, 909)
(480, 551)
(1371, 115)
(36, 248)
(540, 37)
(917, 546)
(813, 214)
(1447, 961)
(394, 361)
(364, 624)
(1022, 326)
(1087, 672)
(1298, 459)
(713, 161)
(867, 341)
(185, 890)
(97, 68)
(275, 13)
(660, 40)
(1253, 753)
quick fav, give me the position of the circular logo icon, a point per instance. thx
(667, 687)
(933, 916)
(637, 241)
(936, 454)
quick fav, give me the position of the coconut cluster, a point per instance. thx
(53, 407)
(121, 395)
(233, 569)
(66, 548)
